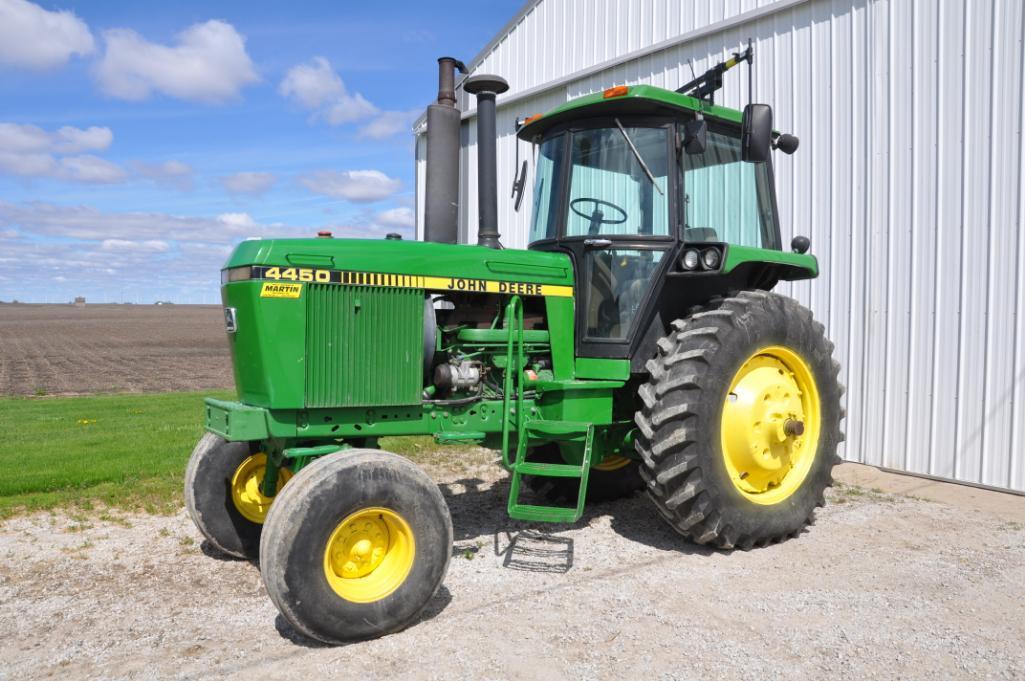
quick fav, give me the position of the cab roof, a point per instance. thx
(624, 99)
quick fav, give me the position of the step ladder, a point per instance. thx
(537, 430)
(558, 431)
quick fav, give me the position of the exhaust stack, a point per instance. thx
(486, 88)
(441, 200)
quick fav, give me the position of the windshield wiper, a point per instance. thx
(637, 155)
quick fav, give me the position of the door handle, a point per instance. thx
(597, 243)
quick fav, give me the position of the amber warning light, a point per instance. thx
(617, 91)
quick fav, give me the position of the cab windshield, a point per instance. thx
(618, 183)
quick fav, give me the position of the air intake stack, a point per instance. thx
(441, 200)
(486, 88)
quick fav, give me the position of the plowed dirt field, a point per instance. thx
(68, 350)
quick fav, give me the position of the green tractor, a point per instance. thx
(635, 345)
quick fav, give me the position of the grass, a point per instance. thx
(126, 451)
(129, 451)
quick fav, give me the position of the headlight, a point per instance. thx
(710, 258)
(235, 274)
(230, 320)
(690, 259)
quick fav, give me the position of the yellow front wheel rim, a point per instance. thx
(369, 555)
(245, 488)
(770, 425)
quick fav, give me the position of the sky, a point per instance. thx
(140, 141)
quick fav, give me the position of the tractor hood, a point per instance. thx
(341, 322)
(436, 266)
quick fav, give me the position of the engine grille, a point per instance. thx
(364, 346)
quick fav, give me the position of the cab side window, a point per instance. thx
(725, 198)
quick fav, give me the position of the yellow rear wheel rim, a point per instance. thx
(369, 555)
(613, 463)
(245, 488)
(770, 396)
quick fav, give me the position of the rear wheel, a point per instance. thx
(356, 546)
(222, 494)
(740, 421)
(614, 478)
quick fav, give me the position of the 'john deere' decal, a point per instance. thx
(351, 278)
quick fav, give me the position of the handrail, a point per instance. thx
(513, 380)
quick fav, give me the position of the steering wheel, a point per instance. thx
(597, 216)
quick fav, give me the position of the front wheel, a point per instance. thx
(355, 546)
(223, 497)
(740, 421)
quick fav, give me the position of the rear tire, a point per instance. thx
(208, 496)
(355, 546)
(723, 479)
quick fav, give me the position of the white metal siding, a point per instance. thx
(908, 181)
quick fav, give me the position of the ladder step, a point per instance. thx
(467, 436)
(549, 470)
(548, 514)
(558, 430)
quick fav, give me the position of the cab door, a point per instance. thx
(617, 223)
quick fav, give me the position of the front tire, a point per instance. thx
(740, 421)
(355, 546)
(222, 494)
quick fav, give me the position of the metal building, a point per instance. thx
(909, 181)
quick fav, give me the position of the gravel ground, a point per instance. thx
(882, 587)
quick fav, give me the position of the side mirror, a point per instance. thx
(787, 143)
(800, 244)
(756, 133)
(695, 136)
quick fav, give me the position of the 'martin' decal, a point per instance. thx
(351, 278)
(274, 290)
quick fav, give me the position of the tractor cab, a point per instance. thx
(646, 190)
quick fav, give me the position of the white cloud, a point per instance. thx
(30, 151)
(171, 173)
(34, 38)
(237, 220)
(360, 186)
(396, 217)
(149, 246)
(88, 223)
(103, 250)
(248, 182)
(16, 137)
(389, 123)
(208, 64)
(27, 165)
(70, 140)
(316, 87)
(88, 168)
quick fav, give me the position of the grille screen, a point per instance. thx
(364, 346)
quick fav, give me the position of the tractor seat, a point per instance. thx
(699, 234)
